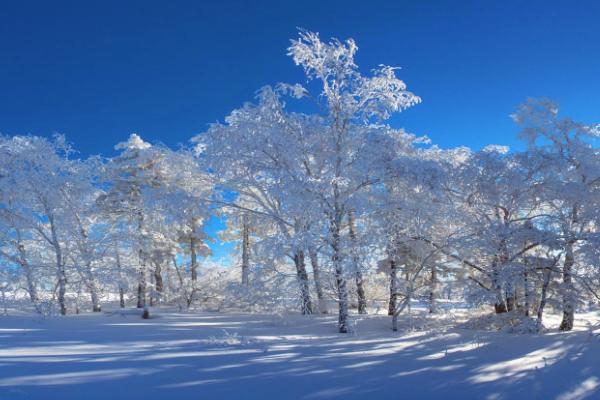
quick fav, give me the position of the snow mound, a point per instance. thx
(231, 339)
(510, 322)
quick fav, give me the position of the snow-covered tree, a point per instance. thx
(39, 182)
(570, 188)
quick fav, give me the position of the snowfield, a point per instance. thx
(248, 356)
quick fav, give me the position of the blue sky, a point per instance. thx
(100, 70)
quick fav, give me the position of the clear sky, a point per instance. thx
(100, 70)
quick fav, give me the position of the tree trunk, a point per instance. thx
(158, 280)
(500, 304)
(314, 262)
(245, 252)
(360, 290)
(77, 299)
(395, 321)
(511, 297)
(340, 280)
(500, 308)
(121, 298)
(60, 266)
(433, 289)
(510, 302)
(194, 265)
(4, 305)
(568, 290)
(141, 292)
(31, 289)
(305, 303)
(397, 313)
(62, 289)
(393, 289)
(540, 312)
(121, 291)
(22, 261)
(526, 293)
(92, 287)
(146, 313)
(95, 301)
(194, 256)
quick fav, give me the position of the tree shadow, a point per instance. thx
(185, 356)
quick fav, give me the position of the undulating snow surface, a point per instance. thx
(113, 356)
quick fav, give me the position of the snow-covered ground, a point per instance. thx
(179, 356)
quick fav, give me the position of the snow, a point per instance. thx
(205, 355)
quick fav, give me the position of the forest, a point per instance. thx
(330, 208)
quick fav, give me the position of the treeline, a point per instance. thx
(350, 207)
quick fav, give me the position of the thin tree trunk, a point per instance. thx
(360, 292)
(92, 287)
(540, 313)
(194, 256)
(31, 289)
(511, 296)
(568, 290)
(88, 275)
(433, 289)
(409, 291)
(509, 287)
(340, 280)
(121, 298)
(121, 291)
(62, 289)
(158, 280)
(358, 276)
(393, 289)
(245, 252)
(527, 293)
(141, 292)
(194, 265)
(94, 297)
(404, 303)
(305, 303)
(189, 298)
(77, 299)
(314, 262)
(4, 305)
(510, 301)
(500, 304)
(60, 266)
(22, 261)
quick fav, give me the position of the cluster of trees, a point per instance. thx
(329, 205)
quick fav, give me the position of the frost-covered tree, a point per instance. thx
(39, 182)
(570, 188)
(295, 166)
(162, 194)
(133, 177)
(496, 196)
(88, 234)
(324, 160)
(258, 155)
(351, 142)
